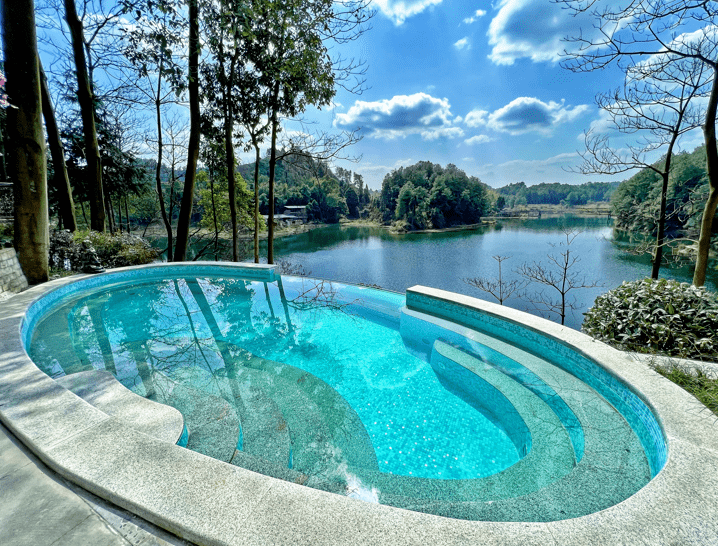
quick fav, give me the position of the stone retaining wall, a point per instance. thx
(12, 279)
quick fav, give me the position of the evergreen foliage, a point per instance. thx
(556, 194)
(664, 316)
(426, 195)
(304, 181)
(635, 203)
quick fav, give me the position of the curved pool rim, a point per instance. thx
(208, 501)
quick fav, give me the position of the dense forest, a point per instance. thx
(518, 194)
(427, 195)
(329, 194)
(636, 201)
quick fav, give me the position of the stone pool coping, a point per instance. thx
(210, 502)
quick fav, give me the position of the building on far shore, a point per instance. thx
(299, 211)
(292, 215)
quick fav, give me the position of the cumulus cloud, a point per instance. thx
(526, 114)
(399, 10)
(478, 139)
(400, 116)
(475, 118)
(444, 132)
(477, 15)
(463, 43)
(533, 29)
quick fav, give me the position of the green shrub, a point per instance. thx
(119, 250)
(6, 234)
(664, 316)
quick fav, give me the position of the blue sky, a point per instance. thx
(472, 83)
(475, 84)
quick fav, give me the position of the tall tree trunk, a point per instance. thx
(193, 147)
(127, 214)
(660, 237)
(658, 253)
(119, 214)
(709, 134)
(110, 213)
(229, 150)
(214, 216)
(256, 201)
(60, 180)
(87, 110)
(272, 168)
(158, 170)
(27, 165)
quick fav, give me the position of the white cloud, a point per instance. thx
(463, 44)
(602, 125)
(444, 132)
(399, 10)
(400, 116)
(533, 29)
(478, 139)
(477, 15)
(475, 118)
(526, 114)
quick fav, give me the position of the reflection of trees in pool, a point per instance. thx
(214, 337)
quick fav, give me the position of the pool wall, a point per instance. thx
(210, 502)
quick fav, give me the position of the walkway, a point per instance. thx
(40, 508)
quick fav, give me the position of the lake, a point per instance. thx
(372, 255)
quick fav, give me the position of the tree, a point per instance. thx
(663, 32)
(352, 201)
(498, 288)
(27, 163)
(222, 32)
(87, 110)
(290, 50)
(185, 216)
(659, 105)
(150, 46)
(558, 278)
(61, 181)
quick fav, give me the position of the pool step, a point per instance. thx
(584, 491)
(262, 466)
(103, 391)
(613, 465)
(211, 421)
(322, 440)
(340, 436)
(612, 452)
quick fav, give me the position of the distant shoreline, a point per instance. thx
(547, 211)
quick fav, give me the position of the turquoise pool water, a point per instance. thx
(343, 388)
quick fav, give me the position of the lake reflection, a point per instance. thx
(441, 260)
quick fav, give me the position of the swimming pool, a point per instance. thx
(407, 400)
(211, 502)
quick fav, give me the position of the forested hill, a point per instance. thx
(427, 195)
(329, 194)
(636, 201)
(556, 194)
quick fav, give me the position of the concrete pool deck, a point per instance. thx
(210, 502)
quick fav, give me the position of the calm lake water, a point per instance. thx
(442, 260)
